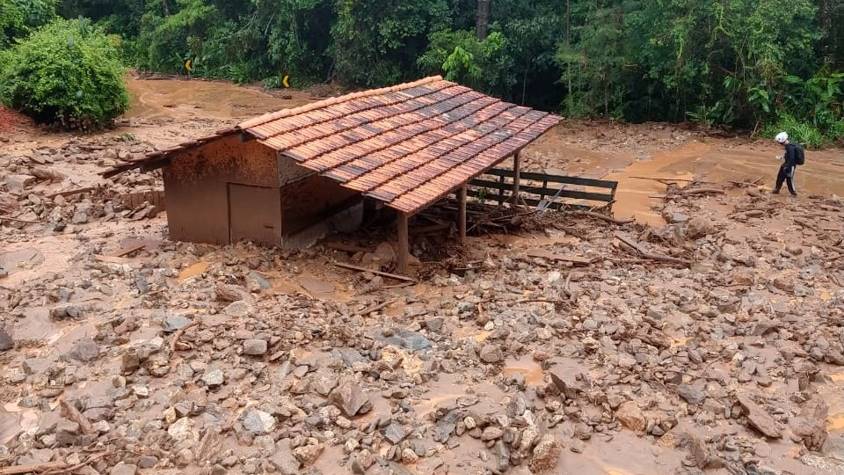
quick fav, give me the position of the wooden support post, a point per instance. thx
(461, 213)
(501, 190)
(516, 179)
(404, 248)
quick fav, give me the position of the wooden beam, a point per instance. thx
(516, 178)
(461, 213)
(404, 245)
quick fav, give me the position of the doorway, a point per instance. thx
(254, 214)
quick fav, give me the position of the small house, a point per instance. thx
(287, 177)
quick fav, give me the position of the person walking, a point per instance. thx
(791, 159)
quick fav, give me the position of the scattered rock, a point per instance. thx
(258, 422)
(491, 353)
(810, 425)
(545, 455)
(350, 399)
(255, 347)
(124, 469)
(631, 416)
(758, 418)
(6, 341)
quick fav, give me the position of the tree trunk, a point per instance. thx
(482, 19)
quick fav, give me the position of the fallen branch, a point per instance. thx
(32, 468)
(131, 250)
(73, 414)
(688, 180)
(73, 468)
(376, 272)
(604, 217)
(656, 257)
(72, 192)
(702, 191)
(16, 220)
(576, 260)
(375, 308)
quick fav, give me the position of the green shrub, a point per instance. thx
(68, 74)
(798, 132)
(19, 17)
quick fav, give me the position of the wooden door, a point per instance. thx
(254, 214)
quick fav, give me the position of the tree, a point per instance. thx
(67, 73)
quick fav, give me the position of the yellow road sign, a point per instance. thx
(284, 81)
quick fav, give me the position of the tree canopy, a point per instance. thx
(752, 64)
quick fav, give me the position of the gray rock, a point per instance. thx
(492, 433)
(258, 422)
(256, 282)
(255, 347)
(413, 341)
(124, 469)
(545, 454)
(350, 399)
(85, 350)
(213, 377)
(6, 341)
(394, 433)
(434, 324)
(491, 353)
(810, 426)
(175, 322)
(238, 309)
(692, 393)
(283, 459)
(147, 461)
(758, 418)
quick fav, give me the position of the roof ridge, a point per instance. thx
(262, 119)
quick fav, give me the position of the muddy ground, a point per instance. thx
(705, 337)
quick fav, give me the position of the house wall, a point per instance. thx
(312, 199)
(196, 186)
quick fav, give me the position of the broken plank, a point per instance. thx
(656, 257)
(72, 192)
(131, 249)
(551, 256)
(375, 308)
(604, 217)
(376, 272)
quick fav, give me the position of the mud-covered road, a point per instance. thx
(709, 340)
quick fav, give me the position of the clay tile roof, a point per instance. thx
(407, 145)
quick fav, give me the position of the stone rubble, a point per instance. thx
(514, 364)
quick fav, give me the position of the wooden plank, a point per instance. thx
(516, 178)
(404, 245)
(552, 256)
(461, 213)
(532, 202)
(580, 195)
(376, 272)
(570, 180)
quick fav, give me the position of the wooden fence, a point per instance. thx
(136, 199)
(496, 185)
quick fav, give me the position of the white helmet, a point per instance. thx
(781, 138)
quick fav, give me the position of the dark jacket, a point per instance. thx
(790, 155)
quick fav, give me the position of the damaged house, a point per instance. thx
(287, 178)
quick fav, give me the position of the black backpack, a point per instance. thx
(799, 154)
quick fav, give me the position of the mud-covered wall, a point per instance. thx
(196, 186)
(308, 198)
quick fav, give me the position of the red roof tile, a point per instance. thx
(407, 145)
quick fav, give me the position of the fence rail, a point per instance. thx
(534, 189)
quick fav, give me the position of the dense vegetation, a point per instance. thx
(68, 73)
(755, 64)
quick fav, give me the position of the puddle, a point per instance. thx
(193, 270)
(634, 196)
(315, 286)
(525, 366)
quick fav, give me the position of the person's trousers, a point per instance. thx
(786, 174)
